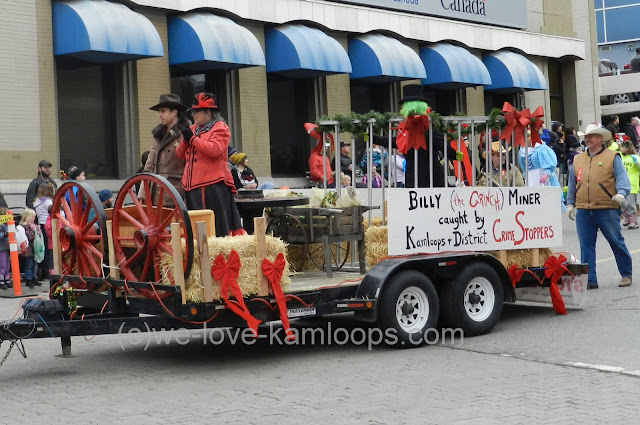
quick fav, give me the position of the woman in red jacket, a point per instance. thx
(207, 180)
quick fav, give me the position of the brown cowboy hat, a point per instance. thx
(169, 100)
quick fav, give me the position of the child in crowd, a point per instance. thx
(376, 179)
(246, 174)
(631, 164)
(5, 264)
(31, 229)
(42, 205)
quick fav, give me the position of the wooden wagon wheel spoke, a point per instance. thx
(147, 263)
(89, 225)
(166, 248)
(63, 220)
(168, 219)
(95, 238)
(131, 260)
(67, 211)
(136, 202)
(94, 250)
(85, 213)
(132, 220)
(91, 264)
(150, 215)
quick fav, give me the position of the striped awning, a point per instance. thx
(103, 32)
(203, 41)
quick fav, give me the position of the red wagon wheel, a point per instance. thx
(141, 229)
(82, 230)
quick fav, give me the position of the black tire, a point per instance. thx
(473, 300)
(405, 293)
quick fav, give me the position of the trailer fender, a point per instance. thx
(433, 265)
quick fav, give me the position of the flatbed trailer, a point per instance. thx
(408, 295)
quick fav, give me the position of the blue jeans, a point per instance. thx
(29, 268)
(608, 222)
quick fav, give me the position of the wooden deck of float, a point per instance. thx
(314, 280)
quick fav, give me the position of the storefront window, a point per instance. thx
(216, 82)
(85, 119)
(292, 102)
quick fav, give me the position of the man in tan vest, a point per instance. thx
(598, 185)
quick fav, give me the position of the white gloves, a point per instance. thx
(571, 212)
(618, 198)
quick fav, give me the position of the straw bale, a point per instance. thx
(522, 257)
(245, 246)
(375, 221)
(375, 243)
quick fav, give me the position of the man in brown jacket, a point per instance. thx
(598, 185)
(162, 159)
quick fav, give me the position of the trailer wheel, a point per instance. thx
(473, 301)
(409, 308)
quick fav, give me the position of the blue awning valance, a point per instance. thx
(300, 51)
(512, 72)
(104, 32)
(451, 67)
(202, 41)
(379, 58)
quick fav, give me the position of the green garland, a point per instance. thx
(495, 122)
(357, 125)
(67, 296)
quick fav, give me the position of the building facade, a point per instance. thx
(79, 76)
(617, 30)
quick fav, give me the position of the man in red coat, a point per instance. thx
(315, 159)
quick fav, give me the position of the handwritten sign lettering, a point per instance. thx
(473, 219)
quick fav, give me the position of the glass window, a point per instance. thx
(613, 3)
(622, 24)
(601, 36)
(85, 119)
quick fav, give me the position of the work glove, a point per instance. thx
(571, 212)
(187, 135)
(634, 158)
(618, 198)
(459, 156)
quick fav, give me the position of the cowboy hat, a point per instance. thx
(597, 128)
(169, 100)
(205, 101)
(496, 147)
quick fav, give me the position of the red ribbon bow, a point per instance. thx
(553, 269)
(515, 274)
(536, 124)
(273, 273)
(518, 121)
(226, 272)
(411, 133)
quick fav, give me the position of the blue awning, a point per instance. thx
(100, 31)
(378, 58)
(512, 72)
(452, 67)
(300, 51)
(202, 41)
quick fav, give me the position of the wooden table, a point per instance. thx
(253, 207)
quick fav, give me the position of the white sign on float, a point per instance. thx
(473, 219)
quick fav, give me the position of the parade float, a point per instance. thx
(416, 258)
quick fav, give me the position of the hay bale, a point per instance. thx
(375, 221)
(375, 243)
(248, 280)
(522, 257)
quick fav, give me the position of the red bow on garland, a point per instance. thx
(520, 121)
(227, 272)
(273, 273)
(553, 269)
(411, 133)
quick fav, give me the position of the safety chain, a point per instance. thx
(14, 342)
(4, 359)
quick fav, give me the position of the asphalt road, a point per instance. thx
(534, 367)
